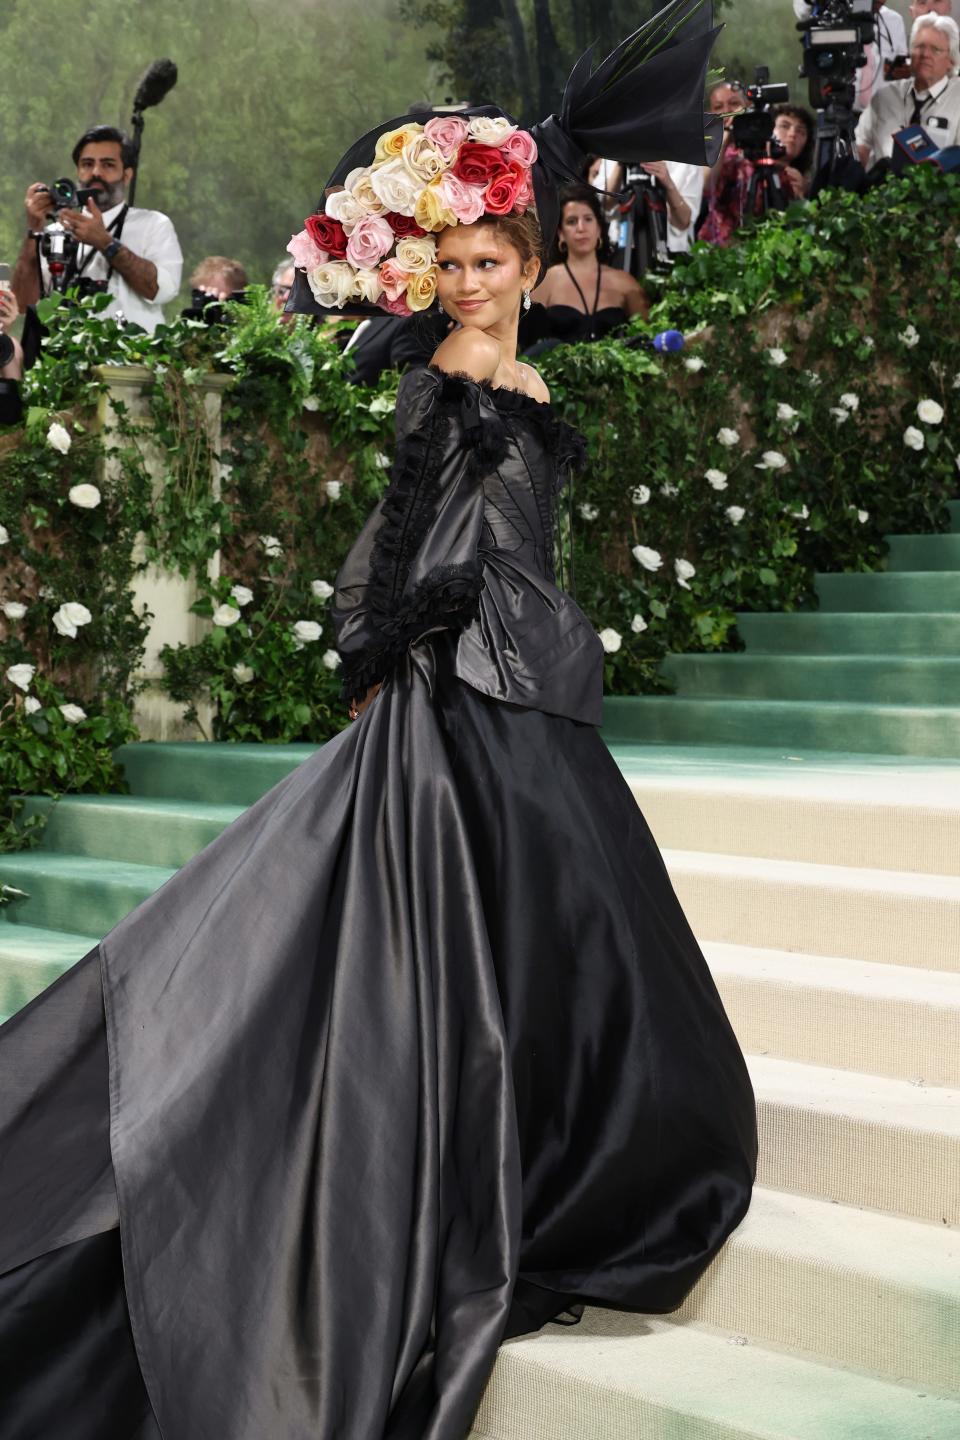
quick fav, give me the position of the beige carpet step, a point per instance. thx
(636, 1377)
(888, 916)
(848, 1286)
(851, 1014)
(883, 1144)
(894, 819)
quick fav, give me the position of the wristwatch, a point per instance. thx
(110, 251)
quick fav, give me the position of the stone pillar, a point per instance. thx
(165, 594)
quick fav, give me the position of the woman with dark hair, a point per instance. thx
(582, 296)
(795, 132)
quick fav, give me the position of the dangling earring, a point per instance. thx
(440, 307)
(527, 302)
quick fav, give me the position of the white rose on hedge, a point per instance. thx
(849, 401)
(728, 437)
(72, 714)
(649, 559)
(311, 402)
(242, 594)
(913, 438)
(930, 412)
(840, 415)
(863, 516)
(14, 610)
(669, 490)
(31, 705)
(802, 514)
(589, 512)
(694, 364)
(58, 437)
(772, 460)
(786, 412)
(638, 624)
(684, 572)
(307, 631)
(85, 497)
(910, 336)
(321, 589)
(243, 674)
(21, 675)
(226, 615)
(271, 546)
(735, 514)
(611, 640)
(70, 617)
(4, 535)
(331, 659)
(640, 494)
(776, 356)
(717, 479)
(333, 489)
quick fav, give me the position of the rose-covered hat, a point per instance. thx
(370, 248)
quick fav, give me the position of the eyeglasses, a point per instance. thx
(930, 50)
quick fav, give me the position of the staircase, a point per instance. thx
(823, 880)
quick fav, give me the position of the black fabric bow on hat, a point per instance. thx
(643, 102)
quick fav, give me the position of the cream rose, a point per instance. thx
(490, 129)
(367, 286)
(396, 186)
(358, 183)
(611, 640)
(930, 412)
(85, 497)
(422, 290)
(331, 659)
(416, 254)
(332, 284)
(346, 208)
(391, 142)
(225, 616)
(14, 610)
(308, 632)
(431, 211)
(421, 157)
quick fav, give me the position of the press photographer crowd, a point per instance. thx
(877, 102)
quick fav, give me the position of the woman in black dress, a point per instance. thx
(421, 1052)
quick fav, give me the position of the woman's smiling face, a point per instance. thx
(481, 276)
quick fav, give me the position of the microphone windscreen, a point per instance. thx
(157, 80)
(669, 340)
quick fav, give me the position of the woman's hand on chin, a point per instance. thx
(468, 352)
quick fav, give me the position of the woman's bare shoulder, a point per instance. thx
(468, 352)
(534, 384)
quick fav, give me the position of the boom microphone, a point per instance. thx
(157, 81)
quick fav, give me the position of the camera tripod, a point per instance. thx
(767, 190)
(643, 236)
(836, 143)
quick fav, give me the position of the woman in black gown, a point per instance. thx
(419, 1053)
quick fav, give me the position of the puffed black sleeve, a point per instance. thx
(415, 565)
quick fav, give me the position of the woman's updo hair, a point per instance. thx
(580, 193)
(521, 231)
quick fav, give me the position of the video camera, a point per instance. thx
(833, 50)
(753, 130)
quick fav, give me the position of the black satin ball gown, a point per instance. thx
(420, 1053)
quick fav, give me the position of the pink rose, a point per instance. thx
(526, 198)
(306, 253)
(446, 133)
(520, 146)
(466, 201)
(372, 238)
(397, 306)
(394, 280)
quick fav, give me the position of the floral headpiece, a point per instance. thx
(374, 241)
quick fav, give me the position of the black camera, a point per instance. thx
(67, 195)
(833, 49)
(753, 129)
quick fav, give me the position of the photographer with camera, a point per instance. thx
(890, 42)
(86, 237)
(765, 164)
(931, 97)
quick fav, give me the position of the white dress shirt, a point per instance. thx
(891, 41)
(689, 181)
(151, 236)
(892, 110)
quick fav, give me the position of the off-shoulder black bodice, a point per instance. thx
(463, 540)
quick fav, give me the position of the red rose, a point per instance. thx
(328, 234)
(403, 226)
(479, 164)
(503, 190)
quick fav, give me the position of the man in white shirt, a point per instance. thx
(135, 252)
(930, 99)
(891, 41)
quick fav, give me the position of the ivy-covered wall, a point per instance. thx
(817, 409)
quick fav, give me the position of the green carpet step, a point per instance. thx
(790, 725)
(819, 632)
(890, 917)
(866, 811)
(873, 1292)
(862, 1140)
(954, 507)
(32, 958)
(923, 552)
(640, 1377)
(217, 774)
(858, 1015)
(160, 832)
(887, 590)
(76, 893)
(883, 680)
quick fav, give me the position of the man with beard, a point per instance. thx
(136, 252)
